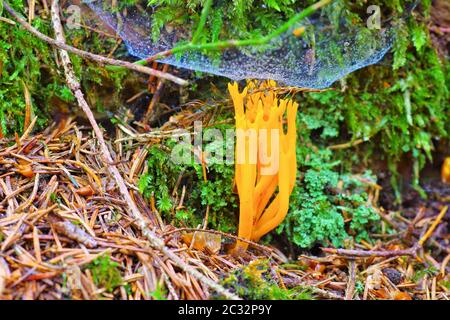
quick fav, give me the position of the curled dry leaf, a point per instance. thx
(400, 295)
(86, 191)
(203, 240)
(382, 294)
(26, 170)
(316, 269)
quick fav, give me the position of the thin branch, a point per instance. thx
(373, 253)
(153, 239)
(350, 291)
(91, 56)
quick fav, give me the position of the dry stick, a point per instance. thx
(153, 239)
(88, 55)
(393, 253)
(156, 96)
(374, 253)
(350, 291)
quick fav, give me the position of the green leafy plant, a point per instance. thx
(161, 175)
(105, 272)
(216, 193)
(159, 293)
(321, 201)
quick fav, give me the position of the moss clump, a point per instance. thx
(393, 111)
(217, 191)
(161, 175)
(392, 116)
(254, 282)
(160, 178)
(105, 273)
(26, 64)
(324, 199)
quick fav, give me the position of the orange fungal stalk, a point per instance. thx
(445, 171)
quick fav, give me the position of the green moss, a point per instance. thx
(396, 111)
(216, 192)
(254, 282)
(390, 112)
(230, 19)
(322, 198)
(105, 273)
(26, 61)
(160, 178)
(159, 293)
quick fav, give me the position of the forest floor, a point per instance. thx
(65, 233)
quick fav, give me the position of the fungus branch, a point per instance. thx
(445, 171)
(265, 159)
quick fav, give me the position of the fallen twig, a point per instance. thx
(73, 232)
(350, 291)
(156, 96)
(373, 253)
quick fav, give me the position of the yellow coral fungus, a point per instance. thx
(265, 159)
(445, 172)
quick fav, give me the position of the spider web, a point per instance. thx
(325, 53)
